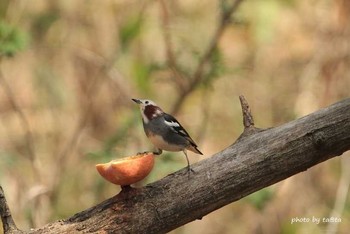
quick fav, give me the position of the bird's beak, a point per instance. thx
(136, 100)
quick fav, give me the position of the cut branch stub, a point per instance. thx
(248, 121)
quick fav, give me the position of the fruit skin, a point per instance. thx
(127, 170)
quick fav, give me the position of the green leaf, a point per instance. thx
(4, 4)
(260, 198)
(142, 72)
(216, 69)
(12, 40)
(129, 32)
(43, 22)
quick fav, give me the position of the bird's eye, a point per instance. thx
(146, 102)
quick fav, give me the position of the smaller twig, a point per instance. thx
(171, 59)
(248, 120)
(104, 67)
(94, 86)
(341, 196)
(200, 69)
(8, 223)
(24, 121)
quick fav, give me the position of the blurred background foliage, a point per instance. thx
(69, 69)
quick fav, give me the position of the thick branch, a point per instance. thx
(8, 224)
(257, 160)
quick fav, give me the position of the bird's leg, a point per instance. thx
(188, 162)
(159, 152)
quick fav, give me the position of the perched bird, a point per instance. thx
(164, 131)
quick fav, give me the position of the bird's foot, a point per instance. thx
(189, 170)
(159, 152)
(145, 152)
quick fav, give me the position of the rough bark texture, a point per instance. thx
(256, 160)
(9, 225)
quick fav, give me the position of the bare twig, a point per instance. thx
(179, 76)
(24, 122)
(342, 194)
(198, 74)
(205, 110)
(84, 117)
(117, 79)
(8, 223)
(25, 125)
(105, 66)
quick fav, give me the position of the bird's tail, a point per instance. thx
(194, 149)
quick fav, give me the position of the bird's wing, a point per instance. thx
(177, 128)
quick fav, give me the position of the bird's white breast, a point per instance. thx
(160, 143)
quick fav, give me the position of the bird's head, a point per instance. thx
(149, 109)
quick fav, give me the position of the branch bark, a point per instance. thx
(258, 159)
(8, 224)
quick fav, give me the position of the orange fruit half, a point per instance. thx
(127, 170)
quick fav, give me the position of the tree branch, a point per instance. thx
(197, 76)
(258, 159)
(8, 224)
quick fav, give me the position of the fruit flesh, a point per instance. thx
(127, 170)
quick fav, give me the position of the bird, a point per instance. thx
(164, 131)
